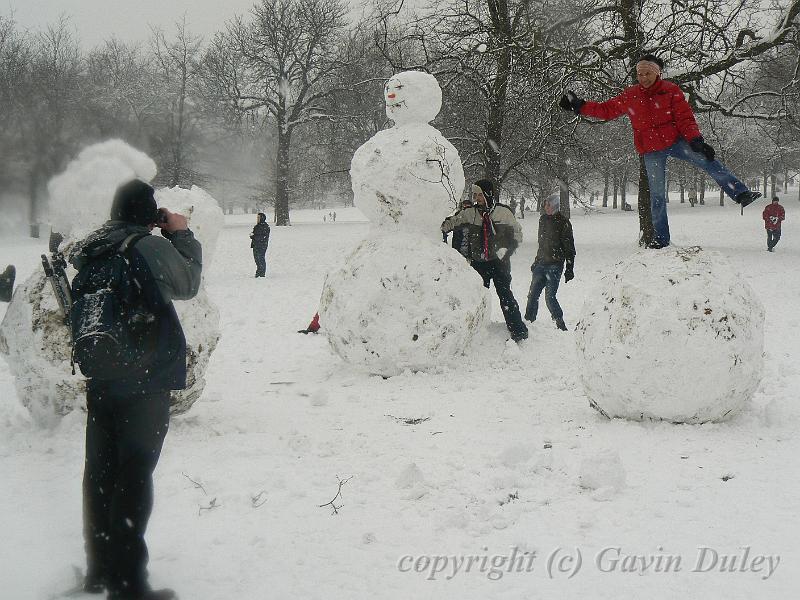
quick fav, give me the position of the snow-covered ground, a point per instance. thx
(494, 464)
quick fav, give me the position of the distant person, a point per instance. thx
(7, 283)
(556, 250)
(773, 216)
(492, 236)
(334, 216)
(663, 126)
(259, 241)
(128, 342)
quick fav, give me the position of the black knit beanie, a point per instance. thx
(134, 202)
(487, 187)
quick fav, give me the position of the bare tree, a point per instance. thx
(278, 64)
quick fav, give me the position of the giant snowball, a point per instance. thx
(398, 304)
(33, 336)
(673, 335)
(408, 177)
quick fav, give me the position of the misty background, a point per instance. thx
(263, 103)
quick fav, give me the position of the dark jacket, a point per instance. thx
(660, 115)
(556, 243)
(167, 268)
(260, 236)
(483, 239)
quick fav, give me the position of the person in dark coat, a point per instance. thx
(7, 278)
(556, 249)
(259, 243)
(460, 239)
(128, 417)
(773, 216)
(663, 126)
(491, 235)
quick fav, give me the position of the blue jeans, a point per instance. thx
(545, 277)
(260, 256)
(773, 236)
(656, 164)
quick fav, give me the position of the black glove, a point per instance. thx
(699, 146)
(569, 274)
(570, 101)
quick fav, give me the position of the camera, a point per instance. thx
(163, 216)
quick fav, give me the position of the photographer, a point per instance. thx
(128, 411)
(7, 283)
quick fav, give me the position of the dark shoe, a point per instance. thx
(560, 325)
(746, 198)
(165, 594)
(656, 245)
(530, 317)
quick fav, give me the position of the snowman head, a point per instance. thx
(412, 97)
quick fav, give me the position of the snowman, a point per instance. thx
(403, 299)
(33, 336)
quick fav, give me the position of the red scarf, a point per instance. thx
(487, 226)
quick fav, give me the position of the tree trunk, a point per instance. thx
(282, 175)
(33, 195)
(764, 185)
(563, 194)
(606, 175)
(773, 183)
(721, 197)
(682, 189)
(624, 190)
(702, 190)
(615, 190)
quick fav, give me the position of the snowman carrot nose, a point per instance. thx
(390, 96)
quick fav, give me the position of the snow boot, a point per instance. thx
(94, 583)
(518, 336)
(164, 594)
(560, 325)
(746, 198)
(7, 283)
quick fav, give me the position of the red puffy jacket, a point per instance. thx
(773, 215)
(659, 115)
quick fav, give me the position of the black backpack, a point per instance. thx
(114, 336)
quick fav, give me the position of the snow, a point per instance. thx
(255, 433)
(655, 318)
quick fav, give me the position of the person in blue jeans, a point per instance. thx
(556, 250)
(663, 125)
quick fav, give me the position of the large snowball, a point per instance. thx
(36, 342)
(673, 335)
(80, 197)
(407, 178)
(400, 304)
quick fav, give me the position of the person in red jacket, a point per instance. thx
(773, 216)
(663, 125)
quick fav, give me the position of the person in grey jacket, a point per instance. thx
(491, 235)
(556, 249)
(128, 417)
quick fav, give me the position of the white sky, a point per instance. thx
(127, 20)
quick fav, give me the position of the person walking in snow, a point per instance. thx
(556, 249)
(492, 235)
(259, 241)
(128, 407)
(773, 216)
(663, 126)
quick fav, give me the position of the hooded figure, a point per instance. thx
(491, 235)
(259, 243)
(128, 414)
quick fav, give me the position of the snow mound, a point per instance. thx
(80, 197)
(674, 335)
(400, 304)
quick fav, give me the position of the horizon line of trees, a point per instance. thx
(269, 111)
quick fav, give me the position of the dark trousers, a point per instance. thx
(500, 272)
(773, 235)
(545, 277)
(260, 256)
(124, 435)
